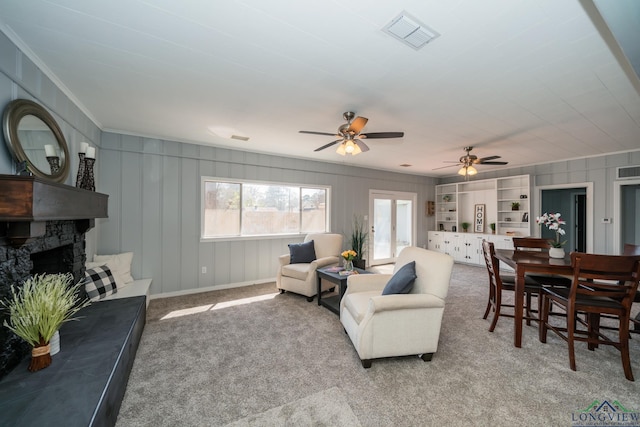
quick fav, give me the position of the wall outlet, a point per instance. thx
(204, 270)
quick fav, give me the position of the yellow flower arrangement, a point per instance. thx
(349, 255)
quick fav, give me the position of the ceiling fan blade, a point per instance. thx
(494, 163)
(442, 167)
(317, 133)
(484, 159)
(382, 135)
(357, 124)
(361, 144)
(328, 145)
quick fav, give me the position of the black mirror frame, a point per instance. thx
(13, 113)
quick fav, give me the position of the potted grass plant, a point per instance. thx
(359, 238)
(38, 308)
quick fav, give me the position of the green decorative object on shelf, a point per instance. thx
(515, 206)
(492, 226)
(465, 226)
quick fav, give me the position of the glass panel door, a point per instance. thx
(393, 225)
(381, 230)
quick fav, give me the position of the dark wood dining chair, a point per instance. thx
(497, 285)
(630, 249)
(541, 245)
(601, 284)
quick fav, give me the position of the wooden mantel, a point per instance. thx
(27, 203)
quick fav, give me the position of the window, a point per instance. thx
(233, 208)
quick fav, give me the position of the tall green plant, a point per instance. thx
(359, 236)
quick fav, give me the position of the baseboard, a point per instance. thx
(211, 288)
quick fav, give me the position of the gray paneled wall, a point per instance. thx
(154, 208)
(21, 78)
(600, 170)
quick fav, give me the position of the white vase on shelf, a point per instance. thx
(556, 252)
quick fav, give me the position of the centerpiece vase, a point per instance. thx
(556, 252)
(348, 265)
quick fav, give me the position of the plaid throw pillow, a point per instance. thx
(99, 283)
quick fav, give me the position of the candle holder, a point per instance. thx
(80, 175)
(54, 164)
(88, 181)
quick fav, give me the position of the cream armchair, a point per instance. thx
(301, 278)
(399, 324)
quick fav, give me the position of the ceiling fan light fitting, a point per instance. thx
(467, 170)
(349, 146)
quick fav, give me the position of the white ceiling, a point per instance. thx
(531, 81)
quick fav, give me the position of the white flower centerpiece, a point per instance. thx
(553, 222)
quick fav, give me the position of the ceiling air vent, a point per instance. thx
(629, 172)
(240, 138)
(410, 31)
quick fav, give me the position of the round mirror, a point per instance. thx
(33, 136)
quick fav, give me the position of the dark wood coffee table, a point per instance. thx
(333, 302)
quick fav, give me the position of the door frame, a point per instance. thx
(393, 195)
(617, 214)
(537, 204)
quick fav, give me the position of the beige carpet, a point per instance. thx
(326, 408)
(253, 355)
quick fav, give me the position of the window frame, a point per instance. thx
(242, 182)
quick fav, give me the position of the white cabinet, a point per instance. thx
(436, 241)
(463, 247)
(473, 248)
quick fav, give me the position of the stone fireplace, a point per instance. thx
(60, 250)
(42, 230)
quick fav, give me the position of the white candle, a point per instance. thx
(91, 153)
(83, 147)
(50, 151)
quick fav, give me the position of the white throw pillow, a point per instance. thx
(122, 263)
(114, 271)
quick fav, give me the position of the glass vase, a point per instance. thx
(348, 265)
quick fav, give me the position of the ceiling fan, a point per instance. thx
(349, 136)
(467, 161)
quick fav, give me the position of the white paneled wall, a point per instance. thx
(154, 208)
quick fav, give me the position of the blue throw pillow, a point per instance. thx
(402, 281)
(302, 253)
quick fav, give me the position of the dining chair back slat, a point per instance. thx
(530, 243)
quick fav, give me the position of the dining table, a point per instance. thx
(523, 262)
